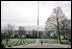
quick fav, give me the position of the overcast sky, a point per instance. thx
(26, 12)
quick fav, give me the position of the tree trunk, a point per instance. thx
(6, 41)
(59, 39)
(58, 30)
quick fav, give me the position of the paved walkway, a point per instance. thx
(37, 41)
(45, 45)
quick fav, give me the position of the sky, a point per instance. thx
(25, 13)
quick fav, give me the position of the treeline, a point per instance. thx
(10, 32)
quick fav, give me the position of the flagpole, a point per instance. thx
(38, 21)
(37, 25)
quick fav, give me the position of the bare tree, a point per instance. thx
(55, 19)
(34, 34)
(66, 27)
(21, 32)
(9, 31)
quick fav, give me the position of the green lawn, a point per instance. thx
(53, 41)
(49, 40)
(15, 42)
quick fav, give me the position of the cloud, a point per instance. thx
(26, 12)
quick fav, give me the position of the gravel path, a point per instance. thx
(45, 45)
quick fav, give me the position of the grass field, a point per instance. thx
(16, 42)
(53, 41)
(49, 40)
